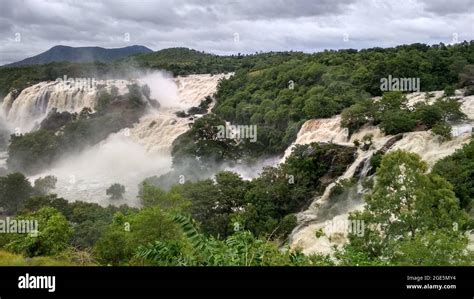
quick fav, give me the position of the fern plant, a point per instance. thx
(240, 249)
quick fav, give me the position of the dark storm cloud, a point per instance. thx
(28, 27)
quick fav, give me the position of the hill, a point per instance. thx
(81, 54)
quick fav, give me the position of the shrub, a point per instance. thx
(429, 114)
(442, 129)
(52, 237)
(449, 91)
(375, 160)
(395, 122)
(115, 191)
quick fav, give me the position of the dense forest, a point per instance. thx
(177, 61)
(280, 97)
(230, 221)
(227, 220)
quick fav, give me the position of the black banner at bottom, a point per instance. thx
(236, 282)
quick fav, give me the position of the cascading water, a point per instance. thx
(324, 224)
(157, 130)
(3, 159)
(25, 112)
(131, 155)
(126, 157)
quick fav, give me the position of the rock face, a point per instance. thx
(337, 157)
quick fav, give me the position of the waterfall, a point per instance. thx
(3, 159)
(133, 154)
(129, 156)
(25, 112)
(324, 224)
(351, 197)
(157, 130)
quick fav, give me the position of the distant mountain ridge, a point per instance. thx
(81, 54)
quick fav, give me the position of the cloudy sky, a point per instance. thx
(29, 27)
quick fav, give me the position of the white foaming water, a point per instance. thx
(162, 87)
(118, 159)
(158, 129)
(425, 144)
(3, 159)
(25, 112)
(134, 154)
(320, 130)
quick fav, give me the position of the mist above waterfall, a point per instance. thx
(162, 88)
(118, 159)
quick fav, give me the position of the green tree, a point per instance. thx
(429, 114)
(115, 191)
(104, 100)
(442, 129)
(451, 109)
(43, 186)
(15, 189)
(35, 203)
(88, 219)
(406, 205)
(458, 169)
(203, 142)
(434, 248)
(352, 255)
(449, 91)
(466, 76)
(357, 115)
(127, 232)
(52, 236)
(213, 203)
(397, 121)
(168, 201)
(32, 151)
